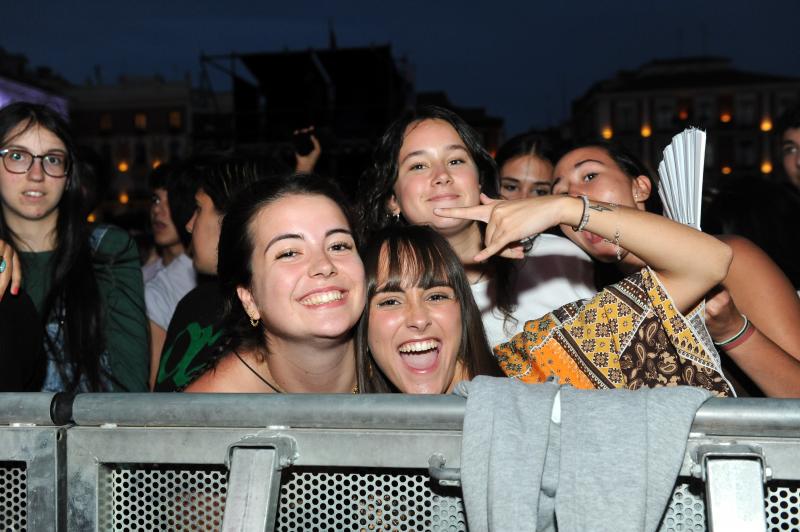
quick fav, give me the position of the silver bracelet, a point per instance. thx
(527, 243)
(584, 216)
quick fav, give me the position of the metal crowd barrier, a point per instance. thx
(304, 462)
(32, 461)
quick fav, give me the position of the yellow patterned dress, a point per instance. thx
(628, 336)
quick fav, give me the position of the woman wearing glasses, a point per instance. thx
(85, 282)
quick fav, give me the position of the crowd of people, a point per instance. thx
(539, 263)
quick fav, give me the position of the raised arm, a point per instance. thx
(688, 262)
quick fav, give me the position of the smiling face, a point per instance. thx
(32, 196)
(790, 148)
(435, 169)
(307, 277)
(525, 176)
(415, 328)
(592, 172)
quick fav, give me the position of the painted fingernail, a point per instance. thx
(15, 290)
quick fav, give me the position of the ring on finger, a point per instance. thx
(3, 265)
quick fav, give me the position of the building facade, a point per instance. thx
(134, 125)
(644, 108)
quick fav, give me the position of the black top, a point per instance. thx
(21, 347)
(191, 338)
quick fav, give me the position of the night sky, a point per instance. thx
(524, 61)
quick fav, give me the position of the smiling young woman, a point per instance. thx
(421, 331)
(433, 159)
(293, 285)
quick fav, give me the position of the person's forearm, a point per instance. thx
(688, 262)
(774, 371)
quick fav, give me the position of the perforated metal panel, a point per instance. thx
(783, 506)
(178, 497)
(686, 510)
(192, 497)
(13, 496)
(364, 499)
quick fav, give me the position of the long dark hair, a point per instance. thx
(73, 300)
(419, 256)
(234, 265)
(377, 187)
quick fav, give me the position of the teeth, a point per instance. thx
(322, 298)
(416, 347)
(33, 193)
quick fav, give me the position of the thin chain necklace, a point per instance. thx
(274, 388)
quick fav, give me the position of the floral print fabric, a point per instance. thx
(628, 336)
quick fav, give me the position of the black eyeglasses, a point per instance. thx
(19, 161)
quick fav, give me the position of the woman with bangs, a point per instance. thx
(421, 331)
(433, 159)
(418, 332)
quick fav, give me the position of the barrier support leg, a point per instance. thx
(253, 487)
(735, 495)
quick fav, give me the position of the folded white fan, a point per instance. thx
(681, 173)
(681, 191)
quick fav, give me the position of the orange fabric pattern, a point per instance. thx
(628, 336)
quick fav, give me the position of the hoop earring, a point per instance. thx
(254, 322)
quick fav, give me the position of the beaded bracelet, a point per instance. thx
(742, 339)
(584, 215)
(737, 335)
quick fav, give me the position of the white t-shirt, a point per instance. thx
(163, 292)
(554, 273)
(150, 269)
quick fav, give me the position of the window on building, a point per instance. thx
(175, 120)
(746, 154)
(684, 109)
(704, 111)
(745, 109)
(725, 104)
(175, 150)
(105, 122)
(140, 121)
(140, 153)
(665, 115)
(783, 102)
(625, 116)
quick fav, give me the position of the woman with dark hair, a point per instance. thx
(525, 165)
(434, 159)
(193, 332)
(632, 334)
(293, 288)
(758, 333)
(85, 284)
(421, 331)
(172, 275)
